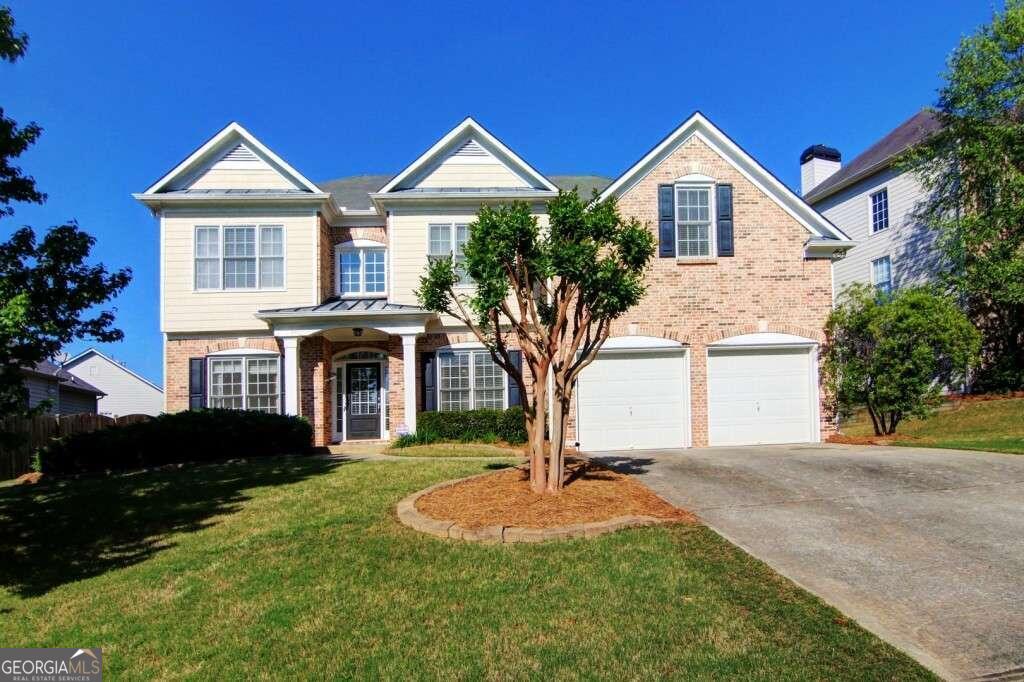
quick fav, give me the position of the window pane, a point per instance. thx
(261, 384)
(374, 271)
(693, 222)
(880, 210)
(453, 381)
(239, 241)
(272, 272)
(351, 281)
(226, 383)
(488, 383)
(882, 274)
(271, 241)
(440, 239)
(239, 273)
(207, 273)
(207, 242)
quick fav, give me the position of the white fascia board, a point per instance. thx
(467, 125)
(467, 196)
(233, 128)
(158, 200)
(698, 125)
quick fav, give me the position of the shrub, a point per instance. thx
(194, 436)
(419, 438)
(486, 426)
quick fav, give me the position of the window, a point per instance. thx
(361, 271)
(448, 239)
(247, 383)
(879, 210)
(469, 381)
(881, 274)
(239, 257)
(693, 222)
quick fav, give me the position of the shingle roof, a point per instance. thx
(347, 305)
(879, 155)
(354, 192)
(66, 379)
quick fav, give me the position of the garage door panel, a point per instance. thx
(633, 401)
(759, 396)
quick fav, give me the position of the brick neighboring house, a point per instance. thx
(281, 294)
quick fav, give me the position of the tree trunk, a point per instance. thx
(535, 424)
(556, 466)
(879, 431)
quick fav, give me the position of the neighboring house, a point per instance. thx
(67, 393)
(125, 392)
(874, 203)
(279, 294)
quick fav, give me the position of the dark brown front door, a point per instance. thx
(362, 401)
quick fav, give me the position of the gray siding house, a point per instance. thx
(874, 203)
(67, 393)
(124, 391)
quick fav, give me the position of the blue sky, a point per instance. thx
(124, 91)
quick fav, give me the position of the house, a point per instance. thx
(67, 393)
(875, 204)
(280, 294)
(124, 391)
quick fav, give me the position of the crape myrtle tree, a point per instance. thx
(973, 169)
(47, 290)
(895, 353)
(555, 289)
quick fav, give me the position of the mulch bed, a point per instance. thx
(592, 493)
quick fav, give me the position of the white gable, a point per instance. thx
(233, 159)
(469, 157)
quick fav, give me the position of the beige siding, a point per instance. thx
(452, 173)
(186, 310)
(125, 392)
(254, 173)
(908, 243)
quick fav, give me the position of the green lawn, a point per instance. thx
(994, 425)
(298, 568)
(458, 450)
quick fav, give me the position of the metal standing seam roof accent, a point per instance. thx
(354, 306)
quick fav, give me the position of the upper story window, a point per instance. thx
(362, 269)
(448, 239)
(239, 257)
(244, 383)
(469, 380)
(694, 236)
(881, 274)
(880, 210)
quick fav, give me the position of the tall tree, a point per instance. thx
(556, 290)
(47, 290)
(973, 169)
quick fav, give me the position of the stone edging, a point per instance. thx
(410, 516)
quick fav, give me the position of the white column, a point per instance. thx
(409, 379)
(291, 374)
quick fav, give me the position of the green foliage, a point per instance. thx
(194, 436)
(974, 171)
(470, 426)
(48, 293)
(895, 353)
(421, 437)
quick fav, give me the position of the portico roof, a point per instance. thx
(345, 307)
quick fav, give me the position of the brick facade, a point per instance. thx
(178, 351)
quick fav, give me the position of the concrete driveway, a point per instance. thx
(923, 547)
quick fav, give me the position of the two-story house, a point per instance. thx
(280, 294)
(875, 203)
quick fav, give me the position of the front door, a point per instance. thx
(362, 391)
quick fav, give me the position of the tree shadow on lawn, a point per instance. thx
(61, 531)
(624, 464)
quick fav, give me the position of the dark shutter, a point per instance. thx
(429, 364)
(513, 388)
(724, 201)
(196, 383)
(666, 222)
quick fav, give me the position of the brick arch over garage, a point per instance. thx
(624, 328)
(755, 328)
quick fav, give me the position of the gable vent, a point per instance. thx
(470, 148)
(240, 153)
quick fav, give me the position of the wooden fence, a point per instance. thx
(32, 433)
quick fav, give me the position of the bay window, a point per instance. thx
(244, 383)
(238, 257)
(469, 380)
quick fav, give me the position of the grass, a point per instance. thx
(297, 568)
(992, 425)
(457, 450)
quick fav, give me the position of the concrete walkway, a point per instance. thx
(923, 547)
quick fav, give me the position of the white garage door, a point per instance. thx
(633, 400)
(760, 396)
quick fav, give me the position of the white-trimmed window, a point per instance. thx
(881, 274)
(880, 210)
(245, 383)
(469, 380)
(694, 236)
(239, 257)
(362, 269)
(448, 239)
